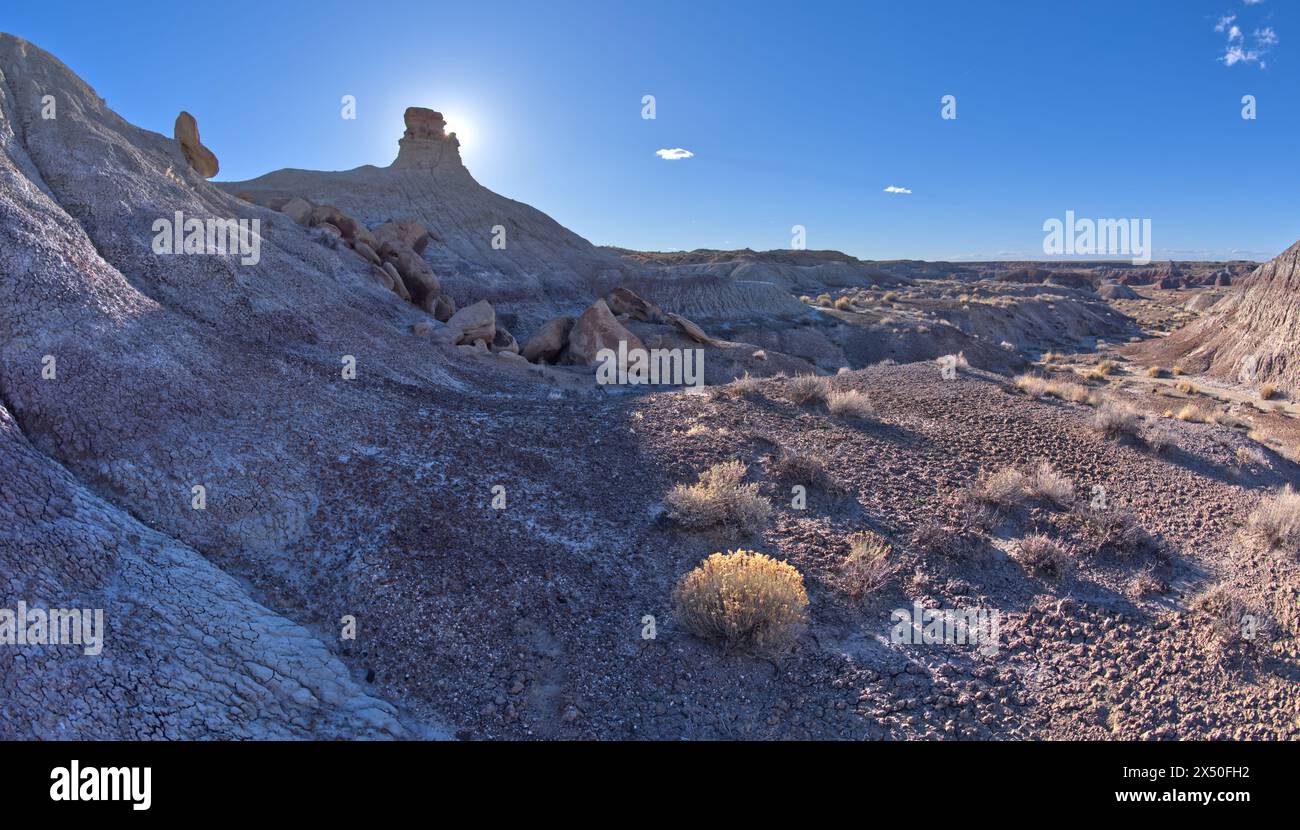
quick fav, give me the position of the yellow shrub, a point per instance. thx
(744, 599)
(719, 499)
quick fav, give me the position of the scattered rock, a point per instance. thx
(475, 322)
(689, 329)
(299, 210)
(597, 329)
(623, 301)
(549, 341)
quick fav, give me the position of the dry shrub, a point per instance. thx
(868, 566)
(1160, 439)
(844, 303)
(1155, 372)
(890, 297)
(746, 386)
(1233, 619)
(1003, 489)
(800, 468)
(1046, 483)
(1118, 531)
(744, 599)
(1190, 413)
(1267, 391)
(719, 500)
(1186, 387)
(1227, 419)
(931, 537)
(1031, 385)
(804, 388)
(1105, 368)
(1042, 555)
(1072, 392)
(1114, 420)
(1146, 584)
(1176, 371)
(1251, 456)
(1277, 519)
(850, 404)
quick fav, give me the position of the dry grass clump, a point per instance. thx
(804, 388)
(890, 297)
(1042, 555)
(1267, 391)
(1146, 584)
(1053, 357)
(719, 499)
(868, 566)
(1031, 385)
(1046, 483)
(746, 386)
(1115, 420)
(1159, 438)
(844, 304)
(850, 404)
(744, 599)
(1251, 457)
(1155, 372)
(824, 300)
(931, 537)
(1118, 531)
(1176, 371)
(800, 468)
(1190, 413)
(1277, 519)
(1186, 387)
(1072, 392)
(1003, 489)
(1227, 419)
(1233, 619)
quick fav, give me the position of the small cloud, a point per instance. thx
(1224, 22)
(674, 154)
(1234, 34)
(1236, 55)
(1266, 36)
(1252, 2)
(896, 189)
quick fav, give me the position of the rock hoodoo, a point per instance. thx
(203, 160)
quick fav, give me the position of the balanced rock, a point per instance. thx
(597, 329)
(186, 132)
(549, 341)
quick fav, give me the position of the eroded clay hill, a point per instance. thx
(1252, 336)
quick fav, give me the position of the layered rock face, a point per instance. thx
(1252, 336)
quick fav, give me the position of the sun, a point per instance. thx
(458, 124)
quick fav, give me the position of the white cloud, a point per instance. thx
(1234, 34)
(675, 154)
(1266, 36)
(896, 189)
(1236, 55)
(1252, 2)
(1224, 22)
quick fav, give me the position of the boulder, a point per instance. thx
(689, 329)
(328, 213)
(597, 329)
(186, 133)
(405, 232)
(444, 308)
(504, 341)
(475, 322)
(367, 253)
(416, 273)
(383, 278)
(623, 301)
(548, 341)
(398, 285)
(299, 210)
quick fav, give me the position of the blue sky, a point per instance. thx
(797, 113)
